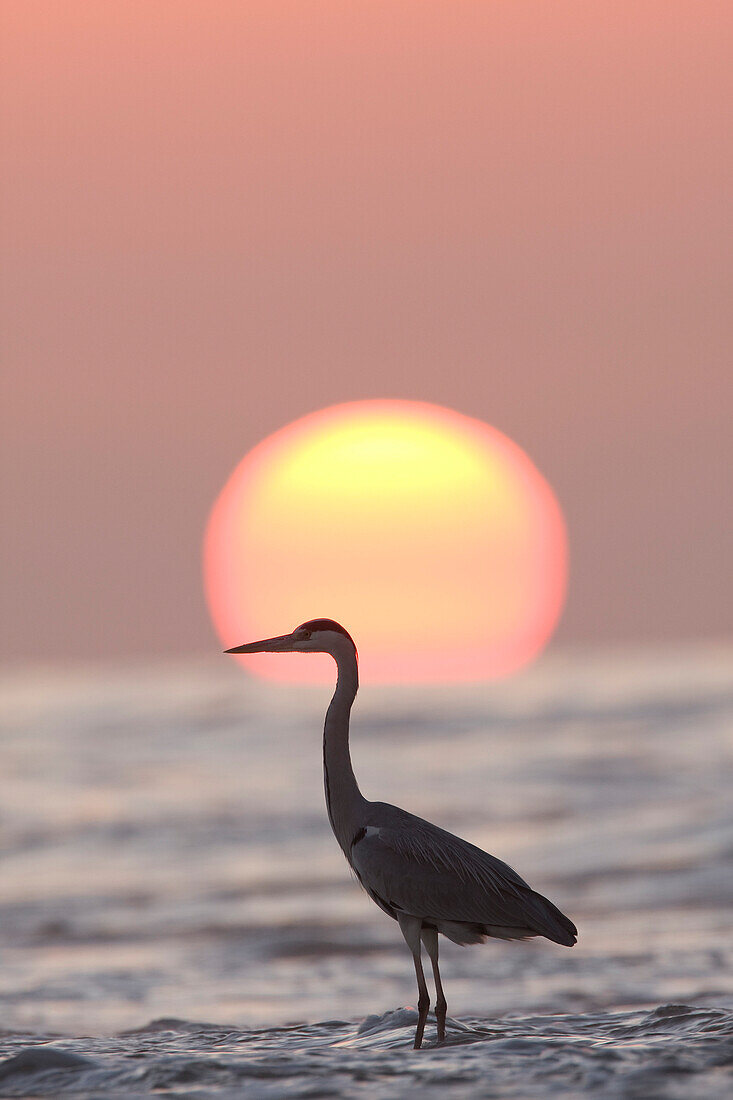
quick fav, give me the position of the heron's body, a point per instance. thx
(427, 879)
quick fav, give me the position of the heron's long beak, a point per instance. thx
(268, 645)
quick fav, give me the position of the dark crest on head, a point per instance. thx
(326, 624)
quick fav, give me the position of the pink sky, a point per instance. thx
(219, 217)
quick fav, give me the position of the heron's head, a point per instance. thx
(315, 636)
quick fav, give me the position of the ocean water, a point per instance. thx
(176, 917)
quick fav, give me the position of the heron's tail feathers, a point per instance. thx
(549, 922)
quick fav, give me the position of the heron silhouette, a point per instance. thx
(425, 878)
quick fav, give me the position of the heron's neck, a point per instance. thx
(343, 797)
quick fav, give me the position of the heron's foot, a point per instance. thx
(423, 1005)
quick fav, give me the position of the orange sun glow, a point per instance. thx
(429, 535)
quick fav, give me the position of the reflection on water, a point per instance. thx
(166, 853)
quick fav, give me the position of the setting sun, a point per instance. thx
(428, 534)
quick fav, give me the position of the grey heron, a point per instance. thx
(428, 880)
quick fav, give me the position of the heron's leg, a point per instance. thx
(430, 939)
(410, 928)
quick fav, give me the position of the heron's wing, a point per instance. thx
(420, 869)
